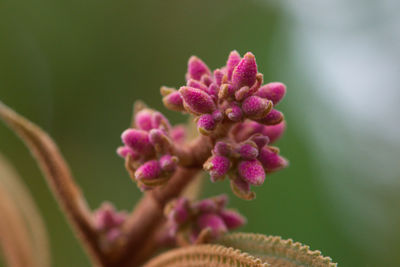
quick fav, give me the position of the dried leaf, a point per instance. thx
(22, 232)
(276, 251)
(205, 255)
(58, 177)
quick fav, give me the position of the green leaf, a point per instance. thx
(275, 250)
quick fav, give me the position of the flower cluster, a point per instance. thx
(232, 93)
(108, 221)
(202, 220)
(147, 148)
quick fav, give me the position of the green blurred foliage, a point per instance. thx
(76, 67)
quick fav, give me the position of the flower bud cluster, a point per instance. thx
(233, 92)
(202, 220)
(147, 148)
(246, 157)
(108, 221)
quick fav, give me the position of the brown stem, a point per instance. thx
(59, 179)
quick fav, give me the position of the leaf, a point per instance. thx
(275, 250)
(59, 178)
(23, 235)
(205, 255)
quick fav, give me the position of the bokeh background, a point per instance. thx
(76, 67)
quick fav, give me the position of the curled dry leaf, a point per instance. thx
(23, 236)
(58, 176)
(276, 251)
(205, 255)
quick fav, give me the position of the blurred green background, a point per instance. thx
(76, 67)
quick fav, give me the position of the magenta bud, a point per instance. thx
(173, 101)
(252, 172)
(143, 119)
(159, 121)
(196, 68)
(217, 166)
(245, 72)
(233, 60)
(274, 132)
(197, 84)
(222, 149)
(214, 222)
(206, 206)
(218, 75)
(206, 80)
(273, 91)
(271, 160)
(256, 107)
(241, 189)
(213, 90)
(178, 133)
(248, 151)
(260, 140)
(217, 115)
(148, 171)
(113, 235)
(138, 140)
(168, 163)
(196, 100)
(124, 151)
(206, 124)
(234, 113)
(180, 211)
(106, 217)
(273, 117)
(159, 140)
(242, 93)
(232, 219)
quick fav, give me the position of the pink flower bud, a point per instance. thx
(159, 121)
(113, 235)
(218, 75)
(196, 68)
(106, 217)
(222, 149)
(271, 160)
(206, 124)
(196, 100)
(159, 140)
(213, 90)
(124, 151)
(245, 72)
(148, 171)
(173, 101)
(260, 140)
(138, 140)
(252, 172)
(248, 151)
(214, 222)
(233, 61)
(256, 107)
(217, 115)
(206, 206)
(273, 117)
(206, 80)
(232, 219)
(234, 113)
(274, 132)
(143, 119)
(180, 211)
(197, 84)
(168, 163)
(273, 91)
(241, 189)
(178, 134)
(217, 166)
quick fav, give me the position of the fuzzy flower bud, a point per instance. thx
(196, 101)
(273, 91)
(108, 221)
(256, 107)
(233, 60)
(137, 140)
(124, 151)
(245, 72)
(234, 113)
(172, 99)
(248, 150)
(217, 166)
(143, 120)
(168, 163)
(222, 149)
(205, 124)
(150, 170)
(196, 69)
(273, 117)
(232, 219)
(252, 172)
(214, 222)
(271, 160)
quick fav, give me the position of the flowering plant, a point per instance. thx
(237, 122)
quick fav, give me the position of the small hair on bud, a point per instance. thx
(206, 124)
(148, 171)
(233, 60)
(271, 160)
(222, 149)
(248, 151)
(143, 119)
(252, 171)
(256, 107)
(217, 166)
(137, 140)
